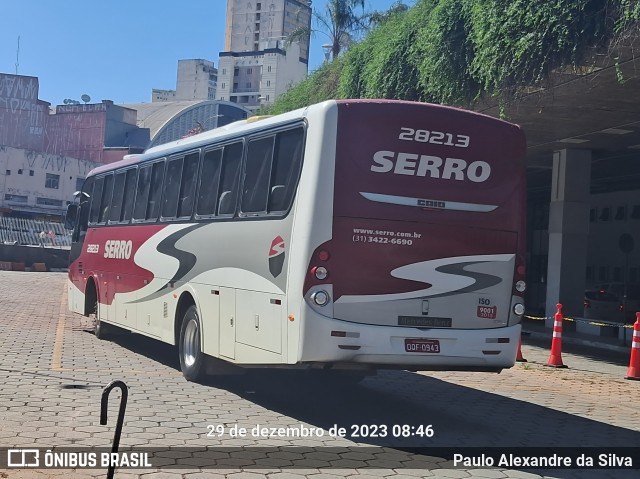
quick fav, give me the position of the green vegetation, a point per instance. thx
(456, 51)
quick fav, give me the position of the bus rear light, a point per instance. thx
(320, 272)
(519, 278)
(321, 298)
(518, 309)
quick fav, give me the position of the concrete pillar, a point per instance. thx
(568, 232)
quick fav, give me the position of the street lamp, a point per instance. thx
(327, 51)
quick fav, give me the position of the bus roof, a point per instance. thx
(201, 139)
(249, 125)
(381, 101)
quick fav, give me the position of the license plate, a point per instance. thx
(422, 345)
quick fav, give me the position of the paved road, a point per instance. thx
(53, 370)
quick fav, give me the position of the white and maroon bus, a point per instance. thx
(355, 234)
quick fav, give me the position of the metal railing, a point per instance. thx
(29, 232)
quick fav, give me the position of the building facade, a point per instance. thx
(38, 183)
(45, 153)
(258, 63)
(196, 80)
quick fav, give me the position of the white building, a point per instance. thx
(196, 80)
(39, 183)
(258, 65)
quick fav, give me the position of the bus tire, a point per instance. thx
(192, 359)
(101, 330)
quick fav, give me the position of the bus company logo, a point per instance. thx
(118, 249)
(432, 166)
(276, 256)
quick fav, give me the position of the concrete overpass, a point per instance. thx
(583, 136)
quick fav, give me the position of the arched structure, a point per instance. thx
(169, 121)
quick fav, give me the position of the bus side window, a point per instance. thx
(144, 183)
(85, 207)
(230, 178)
(116, 200)
(105, 204)
(172, 188)
(287, 162)
(155, 191)
(188, 185)
(96, 198)
(129, 194)
(209, 181)
(277, 198)
(83, 221)
(257, 174)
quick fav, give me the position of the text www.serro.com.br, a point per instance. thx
(393, 234)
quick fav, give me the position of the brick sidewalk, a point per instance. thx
(53, 370)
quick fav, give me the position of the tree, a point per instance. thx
(340, 23)
(377, 18)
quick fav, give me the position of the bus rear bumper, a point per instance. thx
(333, 341)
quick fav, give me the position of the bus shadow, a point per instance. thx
(460, 417)
(157, 351)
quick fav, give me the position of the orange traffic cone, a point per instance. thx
(634, 362)
(555, 360)
(519, 356)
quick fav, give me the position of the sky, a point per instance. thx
(116, 49)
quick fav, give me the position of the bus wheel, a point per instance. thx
(101, 330)
(192, 359)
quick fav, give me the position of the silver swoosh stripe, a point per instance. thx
(446, 276)
(428, 203)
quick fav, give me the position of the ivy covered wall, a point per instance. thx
(456, 51)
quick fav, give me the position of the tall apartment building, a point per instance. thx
(196, 80)
(258, 65)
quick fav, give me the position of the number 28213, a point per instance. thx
(434, 137)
